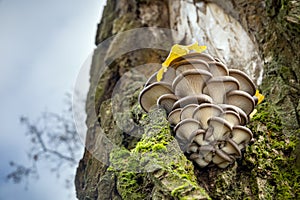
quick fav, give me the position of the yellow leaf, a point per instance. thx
(259, 96)
(177, 51)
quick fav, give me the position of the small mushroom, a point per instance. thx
(207, 152)
(231, 148)
(242, 114)
(167, 101)
(219, 126)
(217, 87)
(187, 111)
(240, 99)
(221, 159)
(246, 84)
(150, 94)
(183, 66)
(232, 117)
(174, 116)
(185, 132)
(218, 69)
(195, 99)
(241, 134)
(204, 112)
(192, 148)
(190, 82)
(197, 158)
(199, 137)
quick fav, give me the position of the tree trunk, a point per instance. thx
(133, 155)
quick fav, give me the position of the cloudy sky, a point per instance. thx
(43, 45)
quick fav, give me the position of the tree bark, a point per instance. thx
(126, 148)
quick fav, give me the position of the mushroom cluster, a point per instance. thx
(208, 106)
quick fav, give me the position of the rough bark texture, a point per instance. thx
(269, 168)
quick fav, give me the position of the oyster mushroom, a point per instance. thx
(217, 87)
(204, 112)
(187, 111)
(240, 99)
(231, 148)
(167, 101)
(242, 114)
(232, 117)
(150, 94)
(218, 127)
(197, 158)
(195, 99)
(183, 66)
(246, 84)
(218, 69)
(192, 148)
(221, 159)
(199, 137)
(174, 116)
(241, 135)
(185, 132)
(190, 82)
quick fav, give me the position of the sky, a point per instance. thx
(43, 45)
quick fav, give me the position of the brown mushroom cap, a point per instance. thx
(185, 132)
(220, 127)
(204, 112)
(218, 69)
(174, 116)
(232, 117)
(241, 134)
(217, 87)
(190, 82)
(240, 99)
(246, 84)
(195, 99)
(150, 94)
(167, 101)
(187, 111)
(242, 114)
(231, 148)
(151, 79)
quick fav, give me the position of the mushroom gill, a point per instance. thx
(207, 104)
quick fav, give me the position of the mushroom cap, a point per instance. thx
(240, 99)
(204, 112)
(187, 111)
(232, 117)
(167, 101)
(217, 87)
(190, 82)
(151, 79)
(246, 84)
(221, 157)
(183, 66)
(242, 114)
(194, 99)
(197, 158)
(185, 132)
(220, 127)
(174, 116)
(241, 134)
(218, 69)
(150, 94)
(199, 137)
(193, 148)
(231, 148)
